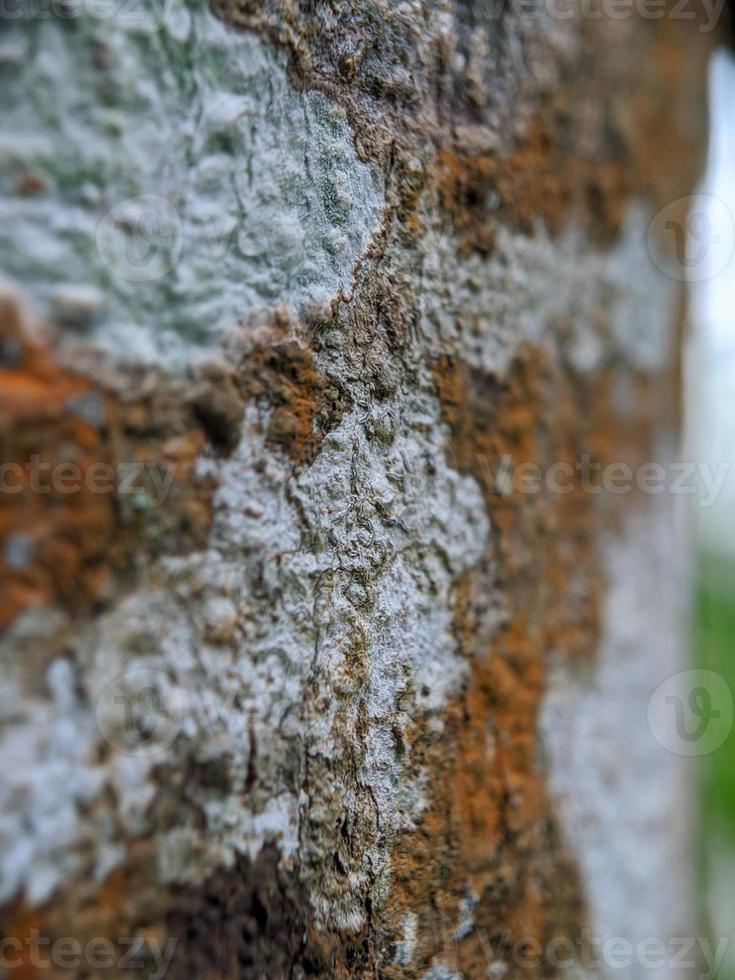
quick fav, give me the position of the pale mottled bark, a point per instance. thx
(323, 695)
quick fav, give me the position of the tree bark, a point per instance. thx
(323, 656)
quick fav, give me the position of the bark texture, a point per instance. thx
(312, 690)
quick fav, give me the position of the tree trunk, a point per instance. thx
(324, 656)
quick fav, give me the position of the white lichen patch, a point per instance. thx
(407, 944)
(272, 673)
(467, 906)
(624, 801)
(440, 971)
(160, 178)
(534, 289)
(48, 780)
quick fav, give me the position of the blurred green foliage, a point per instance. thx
(714, 649)
(715, 624)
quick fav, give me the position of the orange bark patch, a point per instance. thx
(85, 473)
(112, 929)
(539, 180)
(305, 402)
(92, 479)
(601, 141)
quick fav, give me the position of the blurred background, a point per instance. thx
(711, 439)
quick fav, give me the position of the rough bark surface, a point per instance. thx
(312, 690)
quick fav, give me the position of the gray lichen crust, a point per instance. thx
(588, 721)
(161, 178)
(610, 299)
